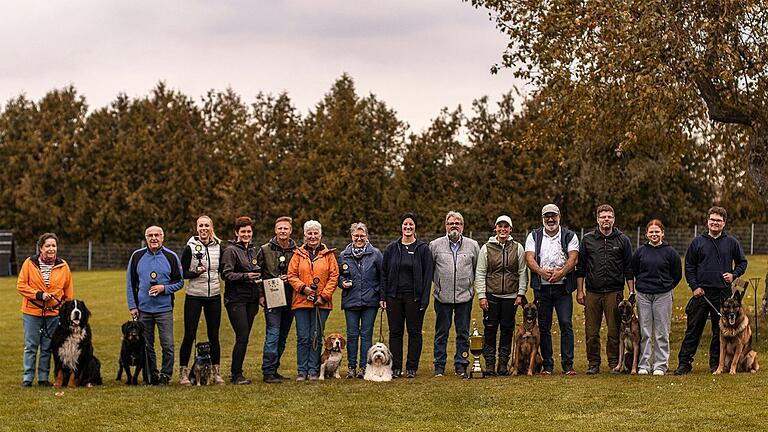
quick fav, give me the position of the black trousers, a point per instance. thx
(697, 311)
(241, 317)
(501, 312)
(193, 306)
(404, 312)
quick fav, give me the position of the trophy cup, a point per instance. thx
(344, 274)
(476, 348)
(199, 256)
(282, 266)
(313, 296)
(153, 278)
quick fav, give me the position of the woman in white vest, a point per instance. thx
(200, 262)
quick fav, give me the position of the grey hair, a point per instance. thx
(356, 226)
(310, 224)
(454, 214)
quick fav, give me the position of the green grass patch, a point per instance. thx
(698, 401)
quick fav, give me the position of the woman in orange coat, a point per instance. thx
(45, 282)
(313, 273)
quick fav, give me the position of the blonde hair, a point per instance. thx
(213, 232)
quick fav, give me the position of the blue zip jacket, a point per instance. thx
(708, 258)
(167, 267)
(367, 276)
(657, 269)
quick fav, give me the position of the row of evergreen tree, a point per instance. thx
(105, 174)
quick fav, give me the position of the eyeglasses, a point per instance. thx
(454, 223)
(357, 236)
(719, 221)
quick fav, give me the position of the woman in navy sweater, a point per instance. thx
(658, 270)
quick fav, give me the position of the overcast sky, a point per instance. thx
(416, 55)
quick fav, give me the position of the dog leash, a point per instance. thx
(319, 326)
(43, 308)
(381, 326)
(712, 306)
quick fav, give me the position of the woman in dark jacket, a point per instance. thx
(658, 270)
(200, 264)
(408, 270)
(241, 276)
(361, 279)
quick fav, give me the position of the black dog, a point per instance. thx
(202, 371)
(133, 353)
(72, 348)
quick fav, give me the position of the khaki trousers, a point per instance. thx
(596, 306)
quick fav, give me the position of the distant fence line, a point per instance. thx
(94, 255)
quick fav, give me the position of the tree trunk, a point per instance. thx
(758, 157)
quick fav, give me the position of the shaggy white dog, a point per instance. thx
(379, 366)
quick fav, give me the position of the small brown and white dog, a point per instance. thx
(330, 360)
(379, 368)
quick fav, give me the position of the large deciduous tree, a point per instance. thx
(679, 64)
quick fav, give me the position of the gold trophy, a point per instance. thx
(476, 348)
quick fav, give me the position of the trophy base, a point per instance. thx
(476, 374)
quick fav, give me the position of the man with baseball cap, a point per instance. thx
(551, 252)
(501, 281)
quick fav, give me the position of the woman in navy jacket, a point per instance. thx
(361, 280)
(658, 270)
(408, 270)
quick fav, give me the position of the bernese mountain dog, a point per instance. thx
(72, 347)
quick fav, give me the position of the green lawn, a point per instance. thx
(695, 402)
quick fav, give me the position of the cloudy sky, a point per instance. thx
(416, 55)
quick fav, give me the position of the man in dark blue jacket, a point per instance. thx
(714, 259)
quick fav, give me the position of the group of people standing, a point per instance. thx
(452, 269)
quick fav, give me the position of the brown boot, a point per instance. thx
(217, 379)
(184, 375)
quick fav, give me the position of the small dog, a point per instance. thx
(736, 351)
(527, 340)
(202, 370)
(72, 348)
(379, 367)
(330, 360)
(629, 337)
(133, 353)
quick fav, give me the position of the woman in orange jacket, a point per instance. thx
(45, 282)
(313, 273)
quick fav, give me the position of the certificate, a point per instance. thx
(274, 293)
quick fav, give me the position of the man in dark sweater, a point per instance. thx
(714, 259)
(605, 256)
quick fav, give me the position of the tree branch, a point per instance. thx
(717, 110)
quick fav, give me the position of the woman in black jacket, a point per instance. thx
(241, 276)
(408, 269)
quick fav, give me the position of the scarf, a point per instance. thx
(46, 261)
(358, 252)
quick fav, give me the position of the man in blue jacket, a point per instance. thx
(154, 274)
(713, 260)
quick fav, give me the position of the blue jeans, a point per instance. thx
(279, 322)
(164, 323)
(460, 314)
(34, 339)
(555, 297)
(309, 340)
(360, 323)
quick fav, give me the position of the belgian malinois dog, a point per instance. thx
(736, 351)
(527, 339)
(629, 337)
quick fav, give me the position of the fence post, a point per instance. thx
(752, 241)
(90, 253)
(638, 238)
(582, 233)
(695, 230)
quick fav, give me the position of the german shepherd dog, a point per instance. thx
(202, 370)
(629, 337)
(527, 339)
(736, 351)
(133, 353)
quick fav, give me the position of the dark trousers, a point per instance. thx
(279, 322)
(193, 306)
(459, 314)
(404, 311)
(595, 306)
(241, 317)
(501, 312)
(697, 311)
(555, 297)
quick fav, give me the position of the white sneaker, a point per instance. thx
(658, 372)
(642, 372)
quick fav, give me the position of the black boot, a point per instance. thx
(490, 367)
(503, 369)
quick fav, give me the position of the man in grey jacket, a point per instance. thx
(455, 259)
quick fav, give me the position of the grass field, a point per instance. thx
(605, 402)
